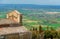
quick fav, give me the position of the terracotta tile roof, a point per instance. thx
(11, 30)
(6, 21)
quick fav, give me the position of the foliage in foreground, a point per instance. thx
(49, 33)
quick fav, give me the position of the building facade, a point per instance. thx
(15, 16)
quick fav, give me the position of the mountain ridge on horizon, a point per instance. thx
(30, 6)
(10, 7)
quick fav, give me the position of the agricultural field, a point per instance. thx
(35, 18)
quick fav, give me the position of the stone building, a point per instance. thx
(15, 16)
(11, 27)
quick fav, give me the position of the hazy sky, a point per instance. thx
(39, 2)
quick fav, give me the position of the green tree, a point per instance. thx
(40, 29)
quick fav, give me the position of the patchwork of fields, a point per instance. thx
(35, 18)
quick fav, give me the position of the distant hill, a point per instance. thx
(30, 6)
(7, 7)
